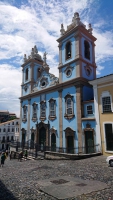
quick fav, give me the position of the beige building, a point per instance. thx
(103, 101)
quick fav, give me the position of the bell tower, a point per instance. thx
(76, 51)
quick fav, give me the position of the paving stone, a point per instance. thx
(19, 180)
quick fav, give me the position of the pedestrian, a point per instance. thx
(2, 159)
(19, 156)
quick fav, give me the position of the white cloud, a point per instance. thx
(10, 90)
(38, 22)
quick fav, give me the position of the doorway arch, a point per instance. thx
(42, 136)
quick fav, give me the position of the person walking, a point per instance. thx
(2, 159)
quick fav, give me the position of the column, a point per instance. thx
(79, 122)
(20, 132)
(28, 120)
(60, 54)
(60, 119)
(31, 75)
(98, 135)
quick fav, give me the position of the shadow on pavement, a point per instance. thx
(6, 194)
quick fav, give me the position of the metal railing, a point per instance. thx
(34, 148)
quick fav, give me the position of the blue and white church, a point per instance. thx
(59, 111)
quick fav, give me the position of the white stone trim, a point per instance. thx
(105, 85)
(102, 80)
(98, 136)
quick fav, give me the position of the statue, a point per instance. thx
(44, 57)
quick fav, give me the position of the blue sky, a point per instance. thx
(25, 23)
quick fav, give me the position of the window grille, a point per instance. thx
(69, 107)
(106, 103)
(43, 110)
(52, 108)
(34, 111)
(89, 110)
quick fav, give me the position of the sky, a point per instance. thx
(25, 23)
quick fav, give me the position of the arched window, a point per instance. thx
(68, 50)
(26, 74)
(87, 50)
(4, 130)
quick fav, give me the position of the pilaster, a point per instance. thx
(60, 54)
(32, 75)
(20, 132)
(28, 120)
(98, 136)
(79, 111)
(60, 119)
(78, 48)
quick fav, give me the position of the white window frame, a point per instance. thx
(106, 94)
(107, 122)
(89, 110)
(70, 115)
(70, 106)
(52, 110)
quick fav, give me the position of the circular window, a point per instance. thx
(68, 73)
(43, 83)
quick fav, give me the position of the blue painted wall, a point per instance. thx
(84, 72)
(82, 47)
(73, 50)
(87, 93)
(85, 109)
(66, 122)
(73, 75)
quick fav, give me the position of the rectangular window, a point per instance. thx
(109, 137)
(89, 110)
(34, 111)
(52, 109)
(106, 103)
(24, 112)
(69, 106)
(43, 110)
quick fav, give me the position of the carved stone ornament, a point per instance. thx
(24, 119)
(53, 130)
(69, 131)
(68, 70)
(43, 82)
(88, 70)
(25, 88)
(34, 117)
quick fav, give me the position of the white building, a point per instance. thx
(9, 131)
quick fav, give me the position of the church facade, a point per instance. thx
(59, 112)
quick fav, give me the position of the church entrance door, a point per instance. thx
(42, 137)
(70, 144)
(89, 141)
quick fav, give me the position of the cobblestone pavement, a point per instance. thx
(18, 180)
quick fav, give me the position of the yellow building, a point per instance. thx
(103, 101)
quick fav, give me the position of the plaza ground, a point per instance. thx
(47, 179)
